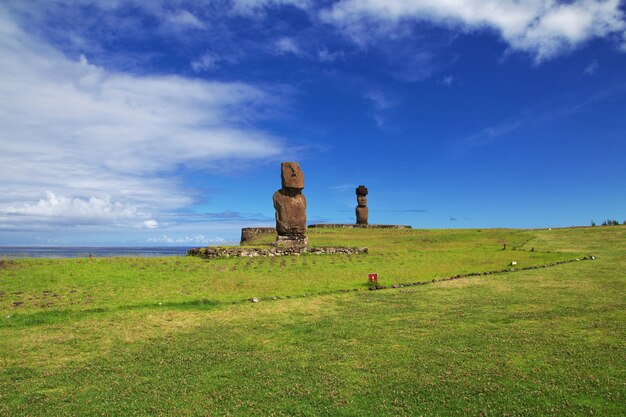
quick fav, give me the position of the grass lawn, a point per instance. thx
(172, 336)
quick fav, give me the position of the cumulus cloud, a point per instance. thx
(60, 210)
(543, 28)
(77, 129)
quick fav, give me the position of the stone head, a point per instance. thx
(362, 200)
(291, 175)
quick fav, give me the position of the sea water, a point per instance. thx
(87, 251)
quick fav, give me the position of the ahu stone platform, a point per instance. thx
(249, 233)
(357, 226)
(213, 252)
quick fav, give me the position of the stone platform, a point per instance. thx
(359, 226)
(213, 252)
(249, 233)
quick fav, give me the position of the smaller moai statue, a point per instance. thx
(361, 208)
(290, 205)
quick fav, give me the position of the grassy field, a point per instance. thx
(175, 336)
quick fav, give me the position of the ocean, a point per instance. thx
(86, 251)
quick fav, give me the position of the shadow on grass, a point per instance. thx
(58, 316)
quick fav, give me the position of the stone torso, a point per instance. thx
(290, 208)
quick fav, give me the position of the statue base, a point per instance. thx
(292, 241)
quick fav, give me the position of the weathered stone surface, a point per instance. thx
(213, 252)
(290, 205)
(249, 233)
(290, 208)
(361, 215)
(362, 212)
(291, 175)
(292, 241)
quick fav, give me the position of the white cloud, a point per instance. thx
(257, 6)
(94, 207)
(185, 19)
(205, 62)
(325, 55)
(80, 130)
(380, 103)
(209, 61)
(592, 68)
(151, 224)
(64, 211)
(197, 240)
(287, 46)
(543, 28)
(447, 81)
(487, 135)
(380, 100)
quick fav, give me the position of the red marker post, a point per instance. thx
(373, 278)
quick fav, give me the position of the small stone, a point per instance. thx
(254, 300)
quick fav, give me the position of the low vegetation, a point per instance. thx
(177, 336)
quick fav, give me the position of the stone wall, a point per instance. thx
(354, 226)
(213, 252)
(249, 233)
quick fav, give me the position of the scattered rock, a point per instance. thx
(213, 252)
(254, 300)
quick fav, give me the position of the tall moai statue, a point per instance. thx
(290, 205)
(361, 208)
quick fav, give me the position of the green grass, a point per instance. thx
(538, 342)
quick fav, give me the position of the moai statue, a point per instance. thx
(361, 208)
(290, 205)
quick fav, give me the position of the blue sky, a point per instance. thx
(164, 122)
